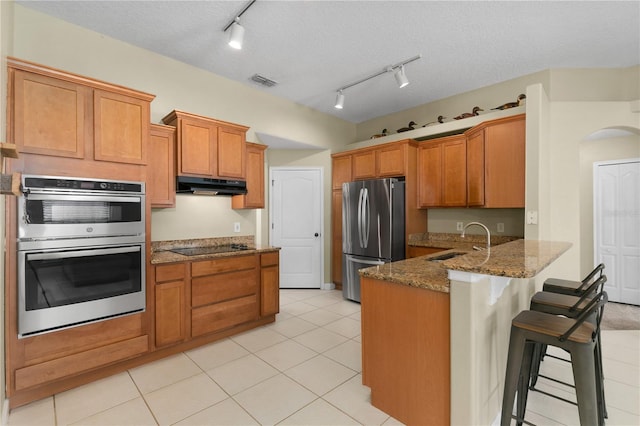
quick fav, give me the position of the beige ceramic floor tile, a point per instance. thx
(297, 308)
(286, 354)
(348, 353)
(183, 399)
(355, 400)
(621, 418)
(93, 398)
(319, 412)
(622, 396)
(216, 354)
(166, 371)
(241, 374)
(37, 413)
(274, 399)
(345, 326)
(130, 413)
(320, 374)
(617, 371)
(344, 307)
(321, 301)
(320, 339)
(227, 413)
(292, 327)
(258, 339)
(321, 317)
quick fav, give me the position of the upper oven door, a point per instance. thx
(58, 215)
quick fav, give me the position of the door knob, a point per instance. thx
(316, 234)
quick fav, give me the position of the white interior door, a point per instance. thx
(617, 228)
(296, 225)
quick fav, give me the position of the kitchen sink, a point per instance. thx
(446, 256)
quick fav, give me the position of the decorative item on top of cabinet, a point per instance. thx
(208, 147)
(468, 114)
(269, 283)
(254, 198)
(161, 182)
(52, 112)
(496, 163)
(442, 174)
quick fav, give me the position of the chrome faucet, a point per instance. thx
(485, 228)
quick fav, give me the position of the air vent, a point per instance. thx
(263, 80)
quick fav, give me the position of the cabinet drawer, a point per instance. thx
(173, 272)
(77, 363)
(226, 264)
(268, 259)
(224, 315)
(217, 288)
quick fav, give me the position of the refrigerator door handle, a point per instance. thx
(366, 216)
(379, 238)
(360, 217)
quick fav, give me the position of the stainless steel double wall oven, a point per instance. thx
(81, 251)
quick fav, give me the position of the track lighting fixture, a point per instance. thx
(236, 35)
(339, 100)
(401, 77)
(397, 69)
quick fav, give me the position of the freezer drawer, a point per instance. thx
(350, 277)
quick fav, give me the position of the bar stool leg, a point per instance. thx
(584, 376)
(523, 381)
(512, 376)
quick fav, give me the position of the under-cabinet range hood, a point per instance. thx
(206, 186)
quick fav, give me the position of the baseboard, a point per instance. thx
(328, 286)
(5, 412)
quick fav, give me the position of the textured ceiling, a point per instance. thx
(312, 48)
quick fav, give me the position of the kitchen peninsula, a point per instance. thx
(435, 333)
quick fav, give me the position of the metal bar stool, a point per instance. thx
(576, 336)
(571, 307)
(572, 288)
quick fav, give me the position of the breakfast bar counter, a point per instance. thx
(435, 333)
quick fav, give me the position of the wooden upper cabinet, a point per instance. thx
(207, 147)
(49, 115)
(341, 170)
(52, 112)
(161, 181)
(120, 128)
(442, 176)
(496, 163)
(364, 164)
(391, 160)
(254, 198)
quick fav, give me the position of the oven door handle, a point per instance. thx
(82, 253)
(67, 197)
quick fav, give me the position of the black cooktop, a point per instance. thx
(197, 251)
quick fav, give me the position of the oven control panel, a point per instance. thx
(79, 184)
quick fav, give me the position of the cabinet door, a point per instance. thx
(50, 115)
(364, 165)
(231, 153)
(391, 161)
(254, 198)
(454, 173)
(170, 309)
(197, 145)
(341, 171)
(430, 175)
(505, 164)
(161, 182)
(120, 128)
(270, 290)
(475, 168)
(336, 238)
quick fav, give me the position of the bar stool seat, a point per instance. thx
(576, 336)
(573, 288)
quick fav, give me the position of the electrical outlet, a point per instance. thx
(501, 227)
(459, 226)
(236, 227)
(532, 217)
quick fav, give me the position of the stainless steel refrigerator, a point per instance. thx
(372, 228)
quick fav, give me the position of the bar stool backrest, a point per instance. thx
(589, 278)
(595, 305)
(595, 288)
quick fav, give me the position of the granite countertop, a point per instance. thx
(516, 259)
(160, 250)
(448, 241)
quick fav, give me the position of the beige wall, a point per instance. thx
(444, 220)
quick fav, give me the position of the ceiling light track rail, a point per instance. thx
(237, 17)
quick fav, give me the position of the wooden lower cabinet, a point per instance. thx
(406, 355)
(269, 283)
(170, 288)
(221, 315)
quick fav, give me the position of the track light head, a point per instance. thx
(401, 77)
(339, 100)
(236, 34)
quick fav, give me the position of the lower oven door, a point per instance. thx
(67, 287)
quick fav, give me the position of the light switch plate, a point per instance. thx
(500, 227)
